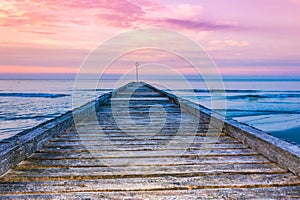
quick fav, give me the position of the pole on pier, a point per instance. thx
(137, 71)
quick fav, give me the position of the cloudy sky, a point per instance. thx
(249, 37)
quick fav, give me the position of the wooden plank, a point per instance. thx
(130, 143)
(167, 108)
(121, 135)
(133, 98)
(180, 116)
(153, 145)
(290, 192)
(84, 148)
(146, 171)
(137, 154)
(139, 148)
(96, 124)
(152, 183)
(142, 161)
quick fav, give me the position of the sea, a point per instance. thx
(267, 104)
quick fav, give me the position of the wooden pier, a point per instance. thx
(138, 142)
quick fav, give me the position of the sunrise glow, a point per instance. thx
(250, 37)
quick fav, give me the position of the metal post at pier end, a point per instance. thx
(137, 71)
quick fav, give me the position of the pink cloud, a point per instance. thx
(200, 25)
(295, 1)
(231, 30)
(116, 13)
(261, 71)
(35, 69)
(41, 56)
(43, 13)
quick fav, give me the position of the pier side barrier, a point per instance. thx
(285, 154)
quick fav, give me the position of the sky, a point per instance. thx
(243, 38)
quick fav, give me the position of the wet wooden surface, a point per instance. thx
(142, 146)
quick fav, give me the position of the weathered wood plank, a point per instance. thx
(144, 99)
(142, 161)
(115, 135)
(152, 183)
(136, 154)
(291, 192)
(140, 148)
(120, 136)
(141, 109)
(198, 145)
(120, 171)
(133, 143)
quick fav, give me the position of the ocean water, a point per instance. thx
(269, 105)
(27, 103)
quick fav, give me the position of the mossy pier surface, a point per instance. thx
(139, 142)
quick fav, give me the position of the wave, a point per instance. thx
(33, 95)
(244, 97)
(214, 91)
(241, 112)
(233, 91)
(262, 96)
(29, 116)
(227, 91)
(93, 90)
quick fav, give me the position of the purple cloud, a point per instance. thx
(199, 25)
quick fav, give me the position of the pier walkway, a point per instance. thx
(142, 144)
